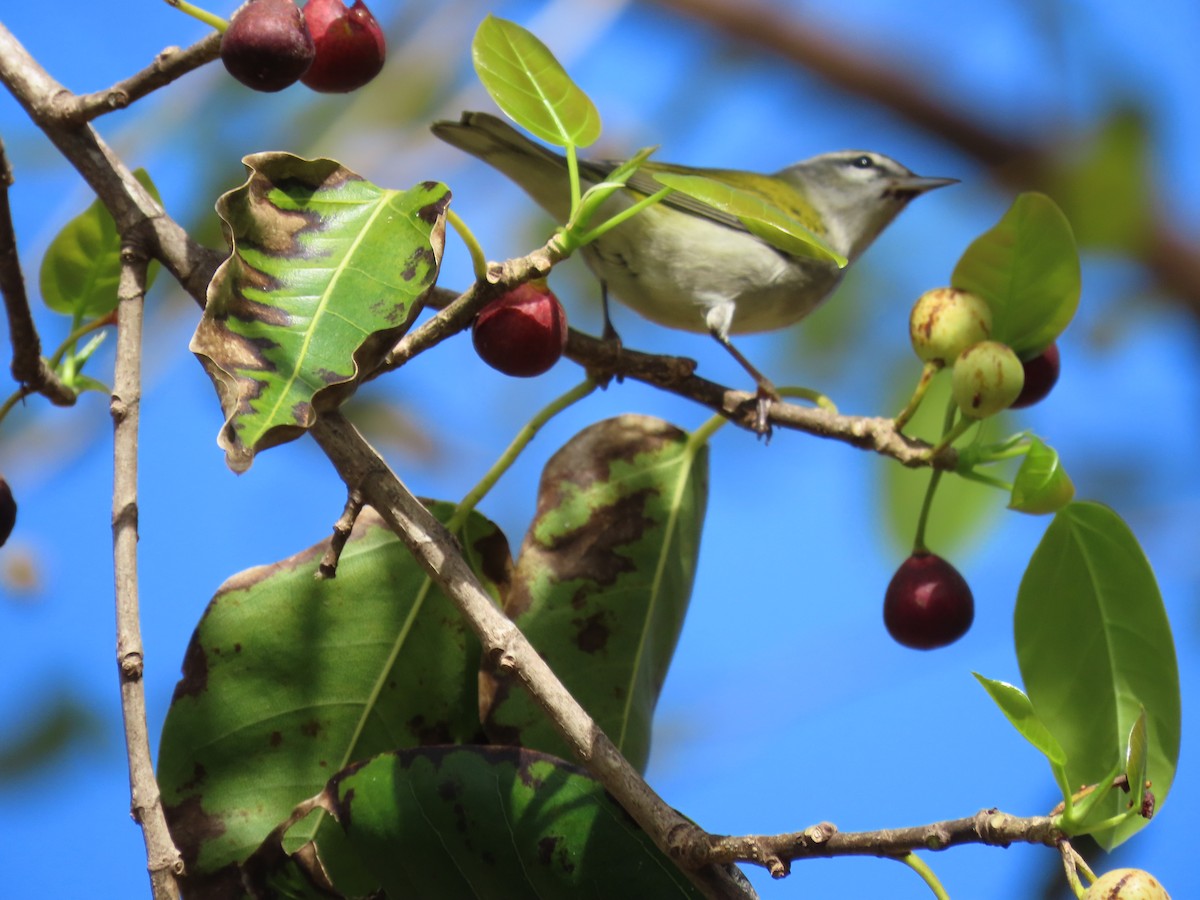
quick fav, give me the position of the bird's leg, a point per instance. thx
(767, 394)
(609, 336)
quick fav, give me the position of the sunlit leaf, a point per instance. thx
(1095, 647)
(494, 823)
(1042, 484)
(1027, 268)
(288, 679)
(530, 85)
(327, 271)
(1104, 185)
(761, 217)
(82, 265)
(1019, 711)
(603, 579)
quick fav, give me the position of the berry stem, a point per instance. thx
(919, 866)
(478, 259)
(935, 476)
(202, 14)
(927, 372)
(1070, 861)
(510, 454)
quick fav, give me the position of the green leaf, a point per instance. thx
(1104, 186)
(1027, 268)
(1019, 711)
(1094, 646)
(761, 217)
(82, 265)
(1042, 484)
(604, 576)
(288, 679)
(530, 85)
(327, 271)
(493, 823)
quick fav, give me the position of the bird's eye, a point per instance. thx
(863, 162)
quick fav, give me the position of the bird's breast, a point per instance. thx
(673, 268)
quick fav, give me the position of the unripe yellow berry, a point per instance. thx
(946, 321)
(1126, 884)
(987, 378)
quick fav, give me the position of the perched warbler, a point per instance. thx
(687, 265)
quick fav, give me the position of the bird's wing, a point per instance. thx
(643, 183)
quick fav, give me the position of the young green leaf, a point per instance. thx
(1019, 711)
(603, 579)
(761, 218)
(82, 265)
(1094, 647)
(530, 85)
(494, 823)
(327, 271)
(1027, 268)
(288, 679)
(1042, 484)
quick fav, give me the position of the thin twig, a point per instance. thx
(507, 649)
(28, 368)
(342, 529)
(131, 205)
(163, 859)
(171, 64)
(775, 852)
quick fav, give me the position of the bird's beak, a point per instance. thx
(915, 185)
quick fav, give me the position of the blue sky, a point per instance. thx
(788, 703)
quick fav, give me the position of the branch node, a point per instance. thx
(819, 833)
(131, 668)
(937, 839)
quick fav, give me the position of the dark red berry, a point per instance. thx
(928, 603)
(1041, 374)
(267, 45)
(8, 511)
(350, 46)
(522, 333)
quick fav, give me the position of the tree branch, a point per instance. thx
(131, 205)
(163, 859)
(28, 368)
(171, 64)
(776, 852)
(507, 650)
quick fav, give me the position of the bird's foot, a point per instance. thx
(764, 396)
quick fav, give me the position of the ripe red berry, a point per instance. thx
(522, 333)
(928, 603)
(267, 45)
(350, 46)
(8, 511)
(1041, 374)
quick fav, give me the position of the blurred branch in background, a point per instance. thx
(1083, 187)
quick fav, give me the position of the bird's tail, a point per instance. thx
(537, 169)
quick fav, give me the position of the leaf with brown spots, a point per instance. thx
(288, 679)
(603, 580)
(326, 272)
(493, 823)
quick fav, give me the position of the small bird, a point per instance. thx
(687, 265)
